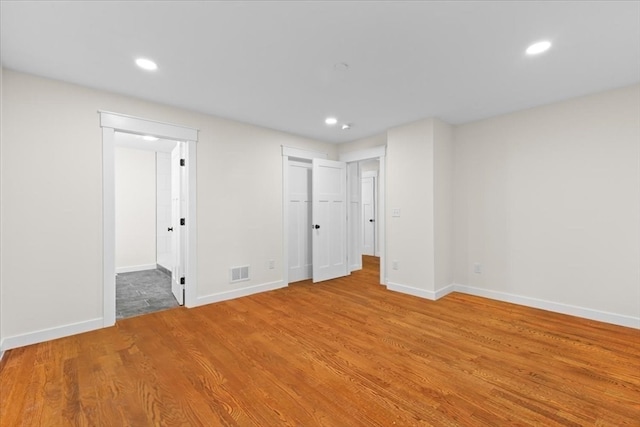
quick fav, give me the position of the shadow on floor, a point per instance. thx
(143, 292)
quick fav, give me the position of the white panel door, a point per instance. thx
(329, 219)
(299, 206)
(177, 212)
(368, 216)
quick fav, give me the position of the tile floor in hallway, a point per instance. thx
(143, 292)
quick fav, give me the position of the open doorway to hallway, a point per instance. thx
(143, 219)
(369, 197)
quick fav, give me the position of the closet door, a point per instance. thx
(329, 219)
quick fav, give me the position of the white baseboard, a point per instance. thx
(444, 291)
(50, 334)
(132, 268)
(237, 293)
(422, 293)
(587, 313)
(410, 290)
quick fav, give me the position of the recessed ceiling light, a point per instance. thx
(539, 47)
(331, 121)
(149, 138)
(146, 64)
(346, 126)
(340, 67)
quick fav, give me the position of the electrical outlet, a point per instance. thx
(394, 264)
(272, 264)
(395, 212)
(477, 268)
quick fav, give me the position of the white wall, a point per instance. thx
(548, 201)
(410, 180)
(163, 210)
(135, 190)
(52, 203)
(374, 141)
(1, 220)
(443, 167)
(419, 183)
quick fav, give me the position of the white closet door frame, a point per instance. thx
(110, 123)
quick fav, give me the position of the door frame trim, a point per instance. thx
(111, 122)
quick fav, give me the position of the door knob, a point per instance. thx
(315, 226)
(170, 229)
(372, 220)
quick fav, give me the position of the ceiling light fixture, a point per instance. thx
(341, 67)
(539, 47)
(149, 138)
(346, 126)
(331, 121)
(146, 64)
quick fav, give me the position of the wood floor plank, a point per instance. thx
(345, 352)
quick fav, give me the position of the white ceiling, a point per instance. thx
(272, 63)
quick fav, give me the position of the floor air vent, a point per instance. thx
(239, 274)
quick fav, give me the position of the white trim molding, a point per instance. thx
(299, 153)
(241, 292)
(49, 334)
(411, 290)
(132, 268)
(556, 307)
(142, 126)
(439, 293)
(572, 310)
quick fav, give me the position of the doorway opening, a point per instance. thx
(182, 149)
(308, 194)
(145, 220)
(369, 196)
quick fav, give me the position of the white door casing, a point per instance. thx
(111, 122)
(299, 210)
(368, 215)
(329, 219)
(177, 238)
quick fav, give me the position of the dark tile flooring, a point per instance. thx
(143, 292)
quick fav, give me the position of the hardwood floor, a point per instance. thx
(340, 353)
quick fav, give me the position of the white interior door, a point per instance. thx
(177, 213)
(369, 216)
(329, 219)
(299, 209)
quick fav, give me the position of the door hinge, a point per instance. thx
(182, 221)
(182, 280)
(182, 162)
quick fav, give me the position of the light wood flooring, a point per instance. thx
(340, 353)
